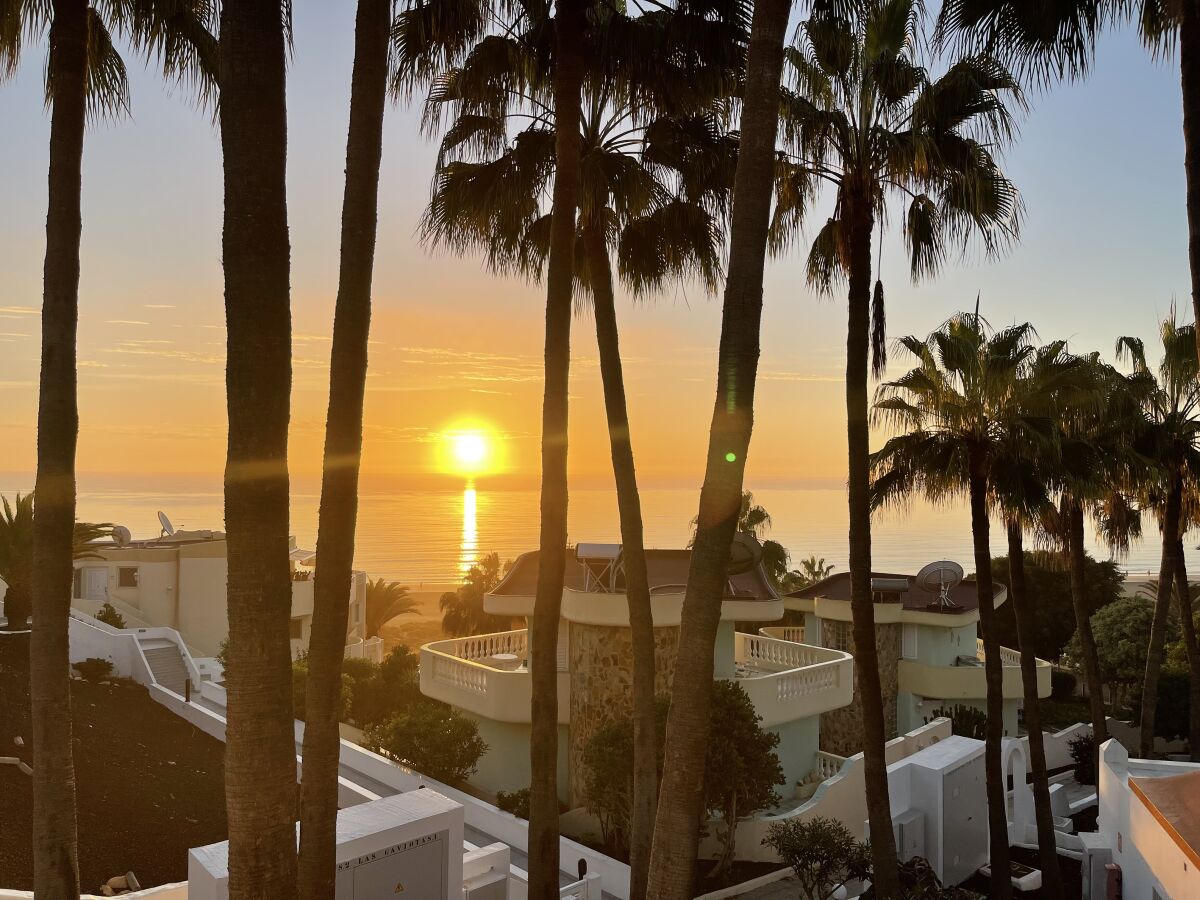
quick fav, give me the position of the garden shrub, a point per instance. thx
(822, 853)
(1083, 752)
(108, 614)
(93, 669)
(432, 738)
(516, 802)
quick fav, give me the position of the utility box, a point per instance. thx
(409, 844)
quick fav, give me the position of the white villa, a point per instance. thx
(800, 678)
(178, 581)
(930, 655)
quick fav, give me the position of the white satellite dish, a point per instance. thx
(121, 536)
(940, 578)
(167, 527)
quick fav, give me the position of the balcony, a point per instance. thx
(787, 680)
(487, 675)
(967, 681)
(794, 633)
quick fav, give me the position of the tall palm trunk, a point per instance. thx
(343, 452)
(677, 823)
(860, 222)
(1188, 624)
(1076, 559)
(260, 752)
(633, 552)
(998, 858)
(55, 841)
(1025, 613)
(1189, 76)
(570, 21)
(1162, 610)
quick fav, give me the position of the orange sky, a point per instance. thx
(452, 342)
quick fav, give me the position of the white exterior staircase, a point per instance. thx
(166, 663)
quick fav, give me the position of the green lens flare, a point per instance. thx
(730, 457)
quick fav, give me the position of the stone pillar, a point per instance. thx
(601, 667)
(841, 729)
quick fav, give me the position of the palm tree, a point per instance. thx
(260, 754)
(343, 456)
(677, 823)
(16, 553)
(462, 610)
(84, 74)
(1171, 439)
(648, 198)
(862, 115)
(1056, 39)
(969, 398)
(385, 601)
(754, 519)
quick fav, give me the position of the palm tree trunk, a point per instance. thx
(1188, 624)
(1025, 613)
(1162, 609)
(677, 824)
(543, 745)
(343, 452)
(55, 840)
(633, 552)
(998, 858)
(1189, 73)
(260, 752)
(1083, 622)
(859, 220)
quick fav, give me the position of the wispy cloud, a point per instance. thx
(158, 305)
(18, 310)
(124, 322)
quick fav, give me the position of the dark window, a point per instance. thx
(297, 630)
(77, 585)
(127, 577)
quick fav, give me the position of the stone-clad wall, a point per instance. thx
(602, 684)
(841, 729)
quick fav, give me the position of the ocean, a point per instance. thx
(426, 539)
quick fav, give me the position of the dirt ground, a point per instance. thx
(149, 785)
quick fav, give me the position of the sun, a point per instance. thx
(470, 450)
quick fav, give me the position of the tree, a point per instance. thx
(677, 823)
(1048, 581)
(16, 553)
(741, 769)
(811, 571)
(1054, 40)
(432, 738)
(84, 74)
(1170, 438)
(385, 601)
(1122, 630)
(343, 456)
(973, 396)
(260, 748)
(862, 115)
(822, 852)
(754, 519)
(462, 610)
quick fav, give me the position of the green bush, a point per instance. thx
(822, 852)
(93, 669)
(108, 614)
(967, 721)
(1173, 711)
(431, 738)
(1062, 684)
(516, 803)
(1083, 752)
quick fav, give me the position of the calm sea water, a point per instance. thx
(429, 537)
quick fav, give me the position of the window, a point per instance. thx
(909, 650)
(838, 636)
(296, 632)
(127, 577)
(77, 585)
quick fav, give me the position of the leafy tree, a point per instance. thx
(810, 572)
(108, 614)
(16, 554)
(385, 601)
(1049, 584)
(822, 852)
(432, 738)
(462, 610)
(741, 769)
(1122, 631)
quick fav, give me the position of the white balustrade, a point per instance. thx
(1008, 657)
(784, 632)
(482, 646)
(789, 681)
(826, 765)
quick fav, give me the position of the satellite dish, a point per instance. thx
(167, 527)
(121, 536)
(940, 578)
(744, 553)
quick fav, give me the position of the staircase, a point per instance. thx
(166, 663)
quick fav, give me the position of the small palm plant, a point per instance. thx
(386, 600)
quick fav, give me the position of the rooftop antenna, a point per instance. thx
(167, 528)
(940, 578)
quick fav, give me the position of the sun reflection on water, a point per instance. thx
(470, 535)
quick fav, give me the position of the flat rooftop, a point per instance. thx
(837, 587)
(1174, 801)
(667, 571)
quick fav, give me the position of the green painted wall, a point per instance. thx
(505, 765)
(798, 742)
(723, 651)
